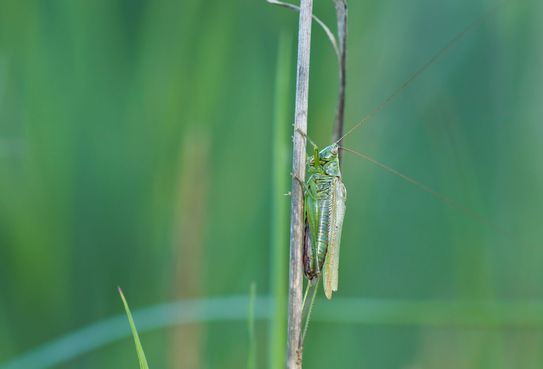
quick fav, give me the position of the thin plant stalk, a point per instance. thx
(294, 354)
(341, 15)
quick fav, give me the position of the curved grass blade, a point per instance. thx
(139, 349)
(462, 314)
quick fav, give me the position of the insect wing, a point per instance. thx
(337, 213)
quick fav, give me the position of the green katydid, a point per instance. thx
(324, 206)
(325, 196)
(325, 199)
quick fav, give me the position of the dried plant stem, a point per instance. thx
(324, 27)
(294, 354)
(341, 15)
(340, 48)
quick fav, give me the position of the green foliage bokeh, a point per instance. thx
(135, 145)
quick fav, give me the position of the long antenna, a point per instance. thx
(413, 77)
(441, 197)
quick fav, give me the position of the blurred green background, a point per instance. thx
(135, 150)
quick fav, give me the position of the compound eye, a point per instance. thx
(334, 150)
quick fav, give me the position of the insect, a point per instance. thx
(324, 207)
(325, 194)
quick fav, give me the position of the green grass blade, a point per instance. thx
(139, 348)
(280, 206)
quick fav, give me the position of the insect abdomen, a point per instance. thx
(318, 216)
